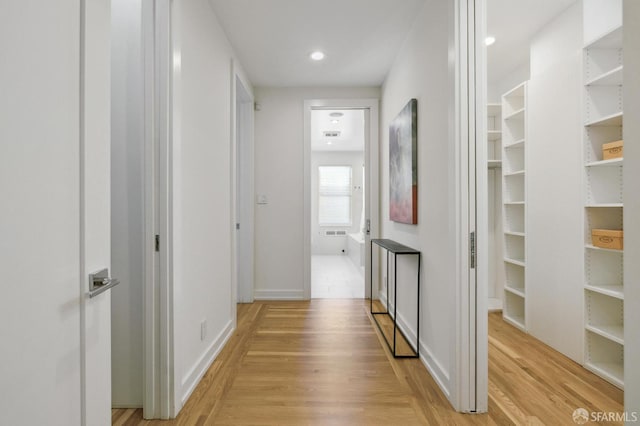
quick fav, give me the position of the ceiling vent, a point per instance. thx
(331, 133)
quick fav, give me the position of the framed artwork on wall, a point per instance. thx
(403, 165)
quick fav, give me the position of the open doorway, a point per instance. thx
(243, 192)
(554, 84)
(338, 198)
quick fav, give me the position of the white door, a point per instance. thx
(95, 204)
(54, 211)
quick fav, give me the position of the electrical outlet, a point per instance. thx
(203, 330)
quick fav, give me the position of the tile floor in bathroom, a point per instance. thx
(336, 277)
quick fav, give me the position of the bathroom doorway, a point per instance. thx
(339, 199)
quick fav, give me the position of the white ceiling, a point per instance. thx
(514, 23)
(273, 39)
(350, 126)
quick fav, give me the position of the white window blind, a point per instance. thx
(334, 203)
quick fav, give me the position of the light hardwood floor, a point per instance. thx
(323, 363)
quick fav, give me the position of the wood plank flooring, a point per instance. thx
(324, 363)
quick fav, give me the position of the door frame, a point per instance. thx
(470, 134)
(242, 158)
(157, 45)
(372, 148)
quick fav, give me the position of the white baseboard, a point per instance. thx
(278, 294)
(193, 377)
(426, 356)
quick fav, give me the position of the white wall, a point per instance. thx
(279, 174)
(127, 203)
(555, 169)
(321, 244)
(202, 198)
(422, 71)
(500, 85)
(602, 15)
(631, 205)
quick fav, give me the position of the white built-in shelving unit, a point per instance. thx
(604, 291)
(514, 140)
(494, 165)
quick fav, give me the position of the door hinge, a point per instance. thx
(472, 249)
(368, 228)
(237, 226)
(157, 242)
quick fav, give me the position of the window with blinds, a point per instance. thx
(334, 200)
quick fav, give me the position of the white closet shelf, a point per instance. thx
(611, 371)
(592, 247)
(615, 291)
(516, 144)
(612, 39)
(516, 115)
(515, 234)
(607, 163)
(494, 135)
(515, 321)
(494, 164)
(612, 120)
(519, 262)
(610, 78)
(605, 206)
(615, 333)
(517, 291)
(518, 173)
(516, 92)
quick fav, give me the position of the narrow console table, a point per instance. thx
(387, 317)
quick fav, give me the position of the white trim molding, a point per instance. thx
(278, 294)
(192, 378)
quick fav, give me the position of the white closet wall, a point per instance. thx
(555, 170)
(494, 183)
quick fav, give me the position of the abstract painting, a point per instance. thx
(403, 165)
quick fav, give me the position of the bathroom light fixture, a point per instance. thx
(489, 40)
(317, 55)
(336, 114)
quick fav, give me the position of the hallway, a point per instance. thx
(322, 362)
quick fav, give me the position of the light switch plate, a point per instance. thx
(261, 199)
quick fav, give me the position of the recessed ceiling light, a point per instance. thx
(489, 40)
(335, 121)
(317, 55)
(329, 142)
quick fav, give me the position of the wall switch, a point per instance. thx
(262, 199)
(203, 330)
